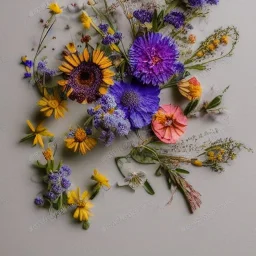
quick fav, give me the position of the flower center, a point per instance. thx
(156, 59)
(130, 99)
(80, 135)
(53, 103)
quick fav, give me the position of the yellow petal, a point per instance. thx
(103, 90)
(35, 140)
(66, 65)
(114, 47)
(76, 59)
(30, 125)
(69, 92)
(40, 140)
(71, 47)
(71, 61)
(97, 61)
(65, 70)
(95, 55)
(81, 57)
(108, 81)
(42, 103)
(62, 82)
(85, 195)
(86, 54)
(76, 213)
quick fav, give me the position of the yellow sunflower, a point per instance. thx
(51, 103)
(78, 140)
(37, 133)
(88, 76)
(82, 202)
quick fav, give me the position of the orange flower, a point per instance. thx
(190, 88)
(169, 123)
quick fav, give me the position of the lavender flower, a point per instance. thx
(104, 28)
(39, 201)
(65, 170)
(175, 18)
(143, 15)
(107, 137)
(27, 75)
(44, 70)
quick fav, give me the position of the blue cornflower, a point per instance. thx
(39, 201)
(143, 15)
(154, 58)
(27, 75)
(175, 18)
(104, 28)
(137, 101)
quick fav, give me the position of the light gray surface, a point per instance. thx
(126, 223)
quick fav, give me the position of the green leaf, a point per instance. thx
(30, 136)
(197, 67)
(158, 172)
(143, 156)
(191, 107)
(181, 171)
(39, 165)
(155, 21)
(215, 102)
(148, 188)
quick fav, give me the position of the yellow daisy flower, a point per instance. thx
(88, 76)
(54, 8)
(86, 20)
(101, 179)
(38, 133)
(51, 103)
(78, 140)
(82, 202)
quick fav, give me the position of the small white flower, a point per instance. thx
(134, 180)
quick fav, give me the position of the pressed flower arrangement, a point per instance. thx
(121, 86)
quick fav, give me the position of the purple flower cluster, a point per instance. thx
(201, 3)
(175, 18)
(154, 58)
(108, 37)
(143, 15)
(44, 70)
(108, 119)
(28, 65)
(58, 183)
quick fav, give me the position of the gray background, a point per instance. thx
(126, 223)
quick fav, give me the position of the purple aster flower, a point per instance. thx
(27, 75)
(39, 201)
(175, 18)
(137, 101)
(65, 170)
(143, 15)
(107, 137)
(104, 28)
(154, 58)
(65, 183)
(28, 63)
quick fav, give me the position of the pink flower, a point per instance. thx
(169, 123)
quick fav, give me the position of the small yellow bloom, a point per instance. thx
(200, 54)
(48, 154)
(129, 15)
(216, 42)
(80, 141)
(190, 88)
(38, 133)
(82, 202)
(52, 104)
(197, 163)
(101, 179)
(111, 31)
(91, 2)
(210, 153)
(54, 7)
(211, 47)
(86, 20)
(225, 39)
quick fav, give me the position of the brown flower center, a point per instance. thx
(80, 135)
(156, 59)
